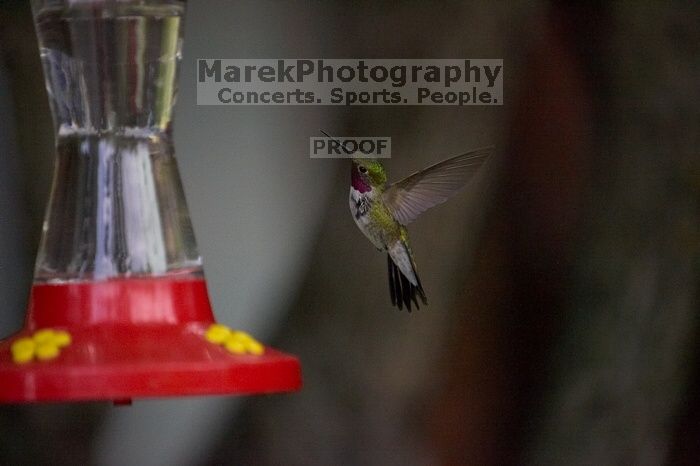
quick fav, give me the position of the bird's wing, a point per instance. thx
(408, 198)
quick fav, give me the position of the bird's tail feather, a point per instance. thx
(401, 290)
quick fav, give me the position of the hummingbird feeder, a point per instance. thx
(119, 307)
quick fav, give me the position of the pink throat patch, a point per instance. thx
(357, 182)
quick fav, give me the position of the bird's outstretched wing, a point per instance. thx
(408, 198)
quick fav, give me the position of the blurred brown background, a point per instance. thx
(563, 284)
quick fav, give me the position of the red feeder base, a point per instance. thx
(134, 338)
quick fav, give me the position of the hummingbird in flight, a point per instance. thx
(382, 211)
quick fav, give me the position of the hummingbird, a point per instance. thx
(382, 211)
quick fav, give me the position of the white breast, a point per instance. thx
(359, 208)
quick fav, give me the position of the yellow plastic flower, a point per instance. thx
(46, 351)
(217, 333)
(234, 341)
(235, 346)
(23, 350)
(44, 345)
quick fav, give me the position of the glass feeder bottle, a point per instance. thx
(119, 287)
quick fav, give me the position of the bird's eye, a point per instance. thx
(362, 169)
